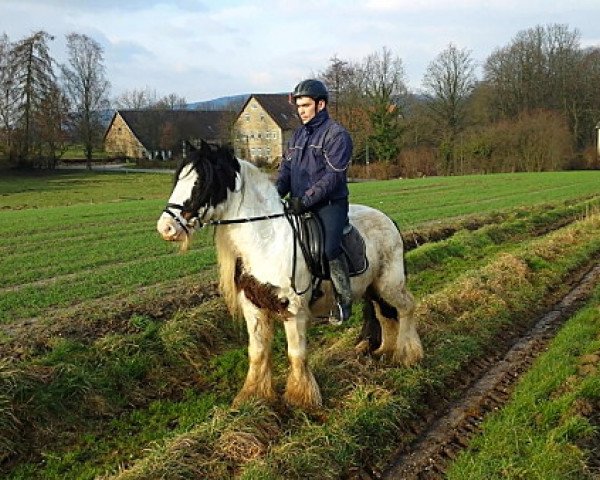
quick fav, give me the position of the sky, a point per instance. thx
(205, 49)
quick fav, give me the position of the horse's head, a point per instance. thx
(202, 183)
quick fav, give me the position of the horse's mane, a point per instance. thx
(217, 170)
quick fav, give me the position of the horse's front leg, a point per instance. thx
(259, 381)
(301, 389)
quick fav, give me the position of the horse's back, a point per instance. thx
(366, 218)
(382, 237)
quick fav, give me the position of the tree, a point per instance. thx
(135, 99)
(348, 102)
(50, 119)
(32, 81)
(8, 113)
(87, 89)
(172, 101)
(544, 68)
(385, 90)
(449, 82)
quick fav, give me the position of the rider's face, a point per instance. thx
(308, 108)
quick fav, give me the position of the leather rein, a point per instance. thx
(195, 223)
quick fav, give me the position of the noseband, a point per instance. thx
(186, 225)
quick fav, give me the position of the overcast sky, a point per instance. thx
(203, 49)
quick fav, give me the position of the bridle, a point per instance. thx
(194, 222)
(185, 224)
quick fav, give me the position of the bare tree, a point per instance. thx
(172, 101)
(449, 82)
(383, 75)
(348, 102)
(136, 99)
(87, 88)
(537, 70)
(50, 119)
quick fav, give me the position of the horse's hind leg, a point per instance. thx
(259, 383)
(408, 349)
(395, 306)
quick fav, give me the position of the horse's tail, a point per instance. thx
(227, 258)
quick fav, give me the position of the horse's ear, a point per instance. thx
(189, 146)
(204, 146)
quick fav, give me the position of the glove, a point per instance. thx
(296, 206)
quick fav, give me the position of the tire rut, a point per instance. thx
(443, 434)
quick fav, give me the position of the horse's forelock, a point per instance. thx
(217, 170)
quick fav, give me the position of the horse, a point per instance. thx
(262, 279)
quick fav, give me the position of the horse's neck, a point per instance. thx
(257, 195)
(263, 243)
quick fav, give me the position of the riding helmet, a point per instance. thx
(312, 88)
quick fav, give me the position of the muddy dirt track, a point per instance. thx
(447, 429)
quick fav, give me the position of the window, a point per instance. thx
(247, 117)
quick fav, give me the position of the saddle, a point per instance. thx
(311, 236)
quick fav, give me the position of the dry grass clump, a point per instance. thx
(9, 423)
(212, 450)
(245, 432)
(195, 334)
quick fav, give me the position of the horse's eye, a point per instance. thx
(187, 215)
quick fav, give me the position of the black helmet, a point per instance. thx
(312, 88)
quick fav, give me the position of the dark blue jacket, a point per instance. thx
(315, 164)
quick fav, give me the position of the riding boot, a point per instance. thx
(340, 278)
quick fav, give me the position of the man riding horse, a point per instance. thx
(314, 173)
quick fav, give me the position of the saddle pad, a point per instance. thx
(311, 237)
(354, 248)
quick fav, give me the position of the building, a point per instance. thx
(160, 134)
(263, 127)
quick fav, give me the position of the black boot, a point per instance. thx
(340, 278)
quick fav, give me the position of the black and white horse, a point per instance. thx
(255, 245)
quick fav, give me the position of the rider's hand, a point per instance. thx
(296, 206)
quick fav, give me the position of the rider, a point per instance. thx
(314, 173)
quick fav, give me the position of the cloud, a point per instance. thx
(202, 49)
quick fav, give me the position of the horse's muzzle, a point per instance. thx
(169, 229)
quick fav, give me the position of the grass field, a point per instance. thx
(116, 360)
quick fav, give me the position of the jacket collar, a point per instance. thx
(318, 120)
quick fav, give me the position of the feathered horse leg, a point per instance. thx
(259, 381)
(302, 389)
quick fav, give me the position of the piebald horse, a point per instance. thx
(255, 249)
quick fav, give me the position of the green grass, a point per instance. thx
(77, 152)
(61, 188)
(540, 434)
(413, 202)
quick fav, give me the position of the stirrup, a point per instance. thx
(340, 313)
(336, 316)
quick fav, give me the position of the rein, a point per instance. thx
(195, 222)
